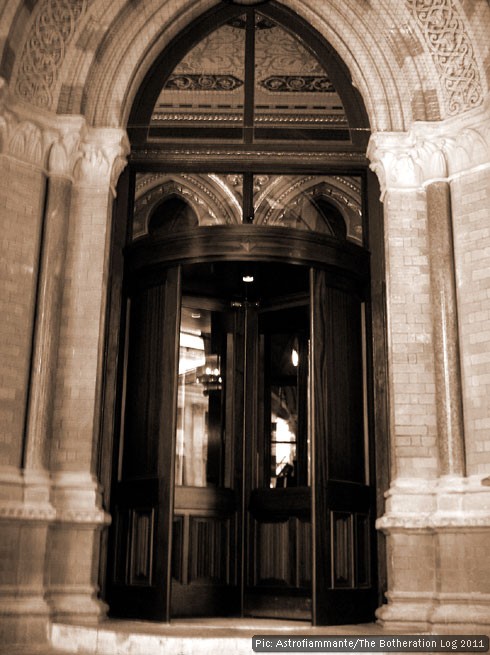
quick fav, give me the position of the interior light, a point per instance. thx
(196, 315)
(294, 357)
(248, 278)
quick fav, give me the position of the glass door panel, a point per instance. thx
(204, 558)
(279, 540)
(199, 442)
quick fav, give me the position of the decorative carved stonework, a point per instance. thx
(44, 50)
(431, 151)
(102, 157)
(443, 27)
(210, 196)
(203, 82)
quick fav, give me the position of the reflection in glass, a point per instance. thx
(284, 422)
(170, 203)
(199, 403)
(288, 374)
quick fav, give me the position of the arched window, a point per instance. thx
(171, 216)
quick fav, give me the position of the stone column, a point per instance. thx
(25, 508)
(49, 301)
(74, 538)
(437, 526)
(445, 330)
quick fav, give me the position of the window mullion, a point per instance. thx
(248, 117)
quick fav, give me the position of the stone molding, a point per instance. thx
(62, 498)
(449, 503)
(430, 151)
(61, 145)
(447, 613)
(77, 498)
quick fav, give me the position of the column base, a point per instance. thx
(437, 535)
(74, 543)
(438, 613)
(76, 604)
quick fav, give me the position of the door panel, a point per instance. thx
(143, 493)
(278, 508)
(204, 548)
(343, 586)
(203, 561)
(242, 482)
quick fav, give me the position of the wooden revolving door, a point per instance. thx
(243, 478)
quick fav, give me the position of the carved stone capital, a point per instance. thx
(431, 151)
(36, 137)
(102, 157)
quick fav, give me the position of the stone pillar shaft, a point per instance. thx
(47, 328)
(445, 330)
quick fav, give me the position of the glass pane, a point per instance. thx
(331, 204)
(199, 439)
(205, 90)
(284, 432)
(286, 375)
(294, 96)
(168, 203)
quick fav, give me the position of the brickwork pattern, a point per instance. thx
(21, 198)
(471, 216)
(412, 567)
(410, 327)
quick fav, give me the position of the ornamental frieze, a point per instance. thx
(202, 82)
(44, 51)
(442, 24)
(298, 84)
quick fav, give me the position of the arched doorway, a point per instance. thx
(279, 189)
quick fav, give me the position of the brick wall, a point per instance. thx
(410, 332)
(81, 331)
(21, 203)
(471, 215)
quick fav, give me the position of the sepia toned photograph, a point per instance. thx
(244, 326)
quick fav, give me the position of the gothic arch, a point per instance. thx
(406, 66)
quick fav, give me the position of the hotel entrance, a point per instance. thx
(243, 465)
(243, 478)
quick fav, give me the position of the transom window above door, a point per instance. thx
(249, 80)
(170, 203)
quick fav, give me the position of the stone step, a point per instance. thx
(185, 637)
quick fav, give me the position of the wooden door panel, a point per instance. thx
(204, 567)
(143, 494)
(279, 575)
(343, 586)
(137, 571)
